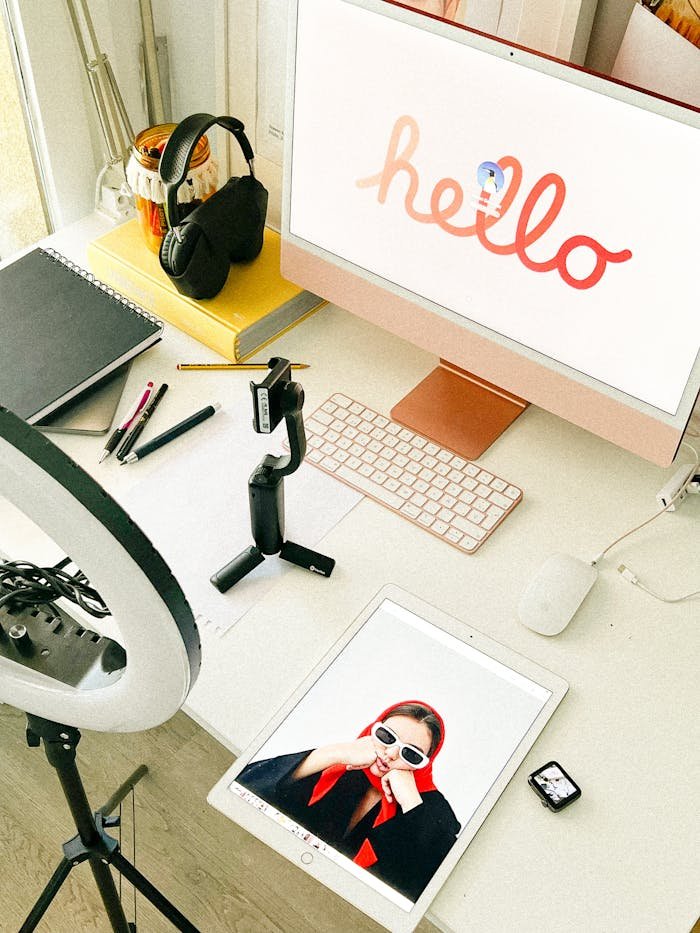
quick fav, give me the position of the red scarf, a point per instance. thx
(424, 782)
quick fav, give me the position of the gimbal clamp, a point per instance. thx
(276, 397)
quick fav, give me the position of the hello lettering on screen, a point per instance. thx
(447, 199)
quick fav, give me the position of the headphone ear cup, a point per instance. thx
(165, 252)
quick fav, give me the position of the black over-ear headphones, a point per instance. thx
(228, 227)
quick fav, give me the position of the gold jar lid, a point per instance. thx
(147, 154)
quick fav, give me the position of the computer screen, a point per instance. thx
(525, 220)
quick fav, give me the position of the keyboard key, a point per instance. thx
(341, 415)
(365, 469)
(485, 477)
(368, 414)
(439, 527)
(337, 425)
(481, 504)
(455, 476)
(495, 511)
(392, 484)
(482, 490)
(328, 463)
(395, 470)
(489, 521)
(315, 442)
(420, 485)
(353, 421)
(418, 499)
(379, 478)
(471, 470)
(439, 482)
(453, 535)
(469, 483)
(400, 460)
(448, 501)
(332, 435)
(469, 528)
(461, 508)
(502, 501)
(419, 442)
(393, 428)
(323, 417)
(429, 462)
(341, 456)
(366, 485)
(356, 408)
(432, 508)
(431, 449)
(434, 494)
(427, 475)
(458, 463)
(446, 515)
(390, 441)
(453, 489)
(476, 517)
(315, 456)
(512, 492)
(407, 479)
(405, 492)
(368, 456)
(366, 426)
(406, 435)
(443, 470)
(378, 434)
(381, 463)
(357, 450)
(329, 407)
(375, 447)
(343, 442)
(350, 432)
(313, 427)
(354, 463)
(445, 456)
(498, 484)
(411, 510)
(341, 400)
(403, 447)
(467, 497)
(425, 519)
(381, 421)
(413, 468)
(468, 543)
(328, 449)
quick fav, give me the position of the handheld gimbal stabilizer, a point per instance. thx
(275, 398)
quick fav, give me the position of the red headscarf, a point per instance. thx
(423, 777)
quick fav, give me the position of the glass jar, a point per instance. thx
(149, 193)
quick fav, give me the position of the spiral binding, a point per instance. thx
(107, 289)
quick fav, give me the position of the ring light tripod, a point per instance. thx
(52, 666)
(275, 398)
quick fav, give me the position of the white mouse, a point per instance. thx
(553, 596)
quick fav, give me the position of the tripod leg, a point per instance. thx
(309, 560)
(110, 896)
(46, 897)
(236, 569)
(142, 884)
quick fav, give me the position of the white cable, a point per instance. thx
(628, 574)
(684, 485)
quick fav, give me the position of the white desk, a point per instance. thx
(625, 857)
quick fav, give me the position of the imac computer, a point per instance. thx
(532, 224)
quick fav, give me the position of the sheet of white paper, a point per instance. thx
(272, 47)
(195, 511)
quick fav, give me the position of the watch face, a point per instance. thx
(556, 788)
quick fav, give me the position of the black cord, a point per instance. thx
(29, 585)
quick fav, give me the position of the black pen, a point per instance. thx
(135, 432)
(145, 449)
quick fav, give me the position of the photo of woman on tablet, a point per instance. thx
(372, 799)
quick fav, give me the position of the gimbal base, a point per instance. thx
(92, 843)
(252, 557)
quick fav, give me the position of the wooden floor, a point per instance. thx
(221, 878)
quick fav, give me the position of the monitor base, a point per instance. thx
(458, 410)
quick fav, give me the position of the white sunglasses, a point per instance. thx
(386, 736)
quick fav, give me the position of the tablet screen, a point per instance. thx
(386, 758)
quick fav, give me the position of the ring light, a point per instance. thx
(156, 624)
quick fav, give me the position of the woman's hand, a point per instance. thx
(358, 754)
(400, 786)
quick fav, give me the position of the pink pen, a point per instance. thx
(135, 410)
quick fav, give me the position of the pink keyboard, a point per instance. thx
(430, 486)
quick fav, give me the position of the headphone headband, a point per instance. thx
(175, 160)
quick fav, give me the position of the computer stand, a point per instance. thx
(458, 410)
(92, 842)
(266, 499)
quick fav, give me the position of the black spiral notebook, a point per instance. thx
(62, 331)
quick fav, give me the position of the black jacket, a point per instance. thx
(409, 847)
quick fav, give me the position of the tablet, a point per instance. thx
(380, 769)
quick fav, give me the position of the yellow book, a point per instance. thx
(254, 307)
